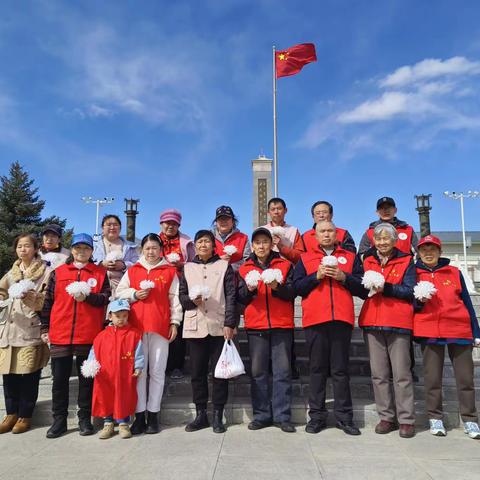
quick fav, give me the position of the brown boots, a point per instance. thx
(11, 423)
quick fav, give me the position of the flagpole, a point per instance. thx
(275, 159)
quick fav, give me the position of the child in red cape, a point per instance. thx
(116, 359)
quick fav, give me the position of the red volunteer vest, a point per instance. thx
(265, 310)
(115, 387)
(404, 241)
(73, 322)
(444, 315)
(382, 311)
(330, 300)
(239, 240)
(311, 242)
(152, 315)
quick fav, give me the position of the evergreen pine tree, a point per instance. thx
(20, 212)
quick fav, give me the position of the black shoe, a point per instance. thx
(152, 423)
(85, 426)
(349, 428)
(315, 426)
(138, 426)
(285, 427)
(200, 422)
(58, 428)
(217, 424)
(258, 425)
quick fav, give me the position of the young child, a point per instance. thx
(116, 360)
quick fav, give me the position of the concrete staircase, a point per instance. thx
(177, 407)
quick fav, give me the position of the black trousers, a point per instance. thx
(21, 393)
(61, 370)
(176, 351)
(203, 351)
(328, 345)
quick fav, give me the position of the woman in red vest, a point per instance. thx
(73, 315)
(151, 286)
(269, 323)
(387, 320)
(445, 318)
(227, 234)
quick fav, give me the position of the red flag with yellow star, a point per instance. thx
(292, 60)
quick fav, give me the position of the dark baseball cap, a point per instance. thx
(262, 231)
(388, 200)
(224, 211)
(54, 228)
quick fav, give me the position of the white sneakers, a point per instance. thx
(472, 429)
(437, 428)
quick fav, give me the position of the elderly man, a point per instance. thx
(326, 277)
(323, 210)
(286, 238)
(386, 211)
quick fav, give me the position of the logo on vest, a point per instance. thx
(402, 236)
(128, 356)
(92, 282)
(342, 260)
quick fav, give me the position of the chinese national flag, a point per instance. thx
(292, 60)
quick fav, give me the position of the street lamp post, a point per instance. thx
(131, 211)
(423, 209)
(460, 196)
(98, 202)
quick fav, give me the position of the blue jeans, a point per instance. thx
(274, 345)
(118, 420)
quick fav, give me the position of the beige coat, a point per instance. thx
(19, 320)
(209, 317)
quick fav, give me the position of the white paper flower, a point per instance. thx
(230, 249)
(173, 257)
(147, 284)
(252, 278)
(373, 280)
(271, 274)
(199, 291)
(90, 368)
(19, 289)
(330, 261)
(424, 290)
(75, 289)
(113, 256)
(278, 231)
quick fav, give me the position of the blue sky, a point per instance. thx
(170, 101)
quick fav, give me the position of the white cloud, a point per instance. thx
(430, 68)
(424, 100)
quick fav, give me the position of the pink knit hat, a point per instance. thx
(171, 215)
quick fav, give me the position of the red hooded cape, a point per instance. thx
(115, 387)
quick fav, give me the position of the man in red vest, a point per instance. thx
(286, 238)
(386, 211)
(321, 211)
(326, 278)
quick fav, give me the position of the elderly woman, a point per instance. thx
(387, 321)
(227, 234)
(445, 319)
(51, 251)
(72, 316)
(151, 286)
(114, 252)
(208, 296)
(22, 352)
(181, 245)
(269, 324)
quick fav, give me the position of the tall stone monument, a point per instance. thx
(262, 189)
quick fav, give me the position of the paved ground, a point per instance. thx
(240, 454)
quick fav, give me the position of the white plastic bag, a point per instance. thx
(229, 364)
